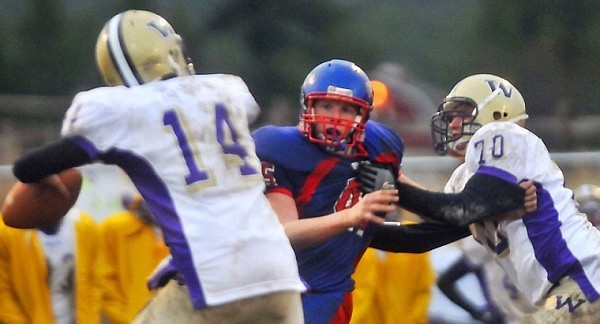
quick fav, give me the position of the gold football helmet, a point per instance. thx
(478, 100)
(137, 46)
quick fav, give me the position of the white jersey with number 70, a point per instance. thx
(544, 246)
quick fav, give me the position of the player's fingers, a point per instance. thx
(377, 219)
(530, 202)
(372, 217)
(531, 197)
(380, 203)
(527, 185)
(531, 207)
(386, 208)
(385, 196)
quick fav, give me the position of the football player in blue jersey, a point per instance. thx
(311, 184)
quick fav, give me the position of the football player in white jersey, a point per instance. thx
(184, 141)
(501, 292)
(551, 254)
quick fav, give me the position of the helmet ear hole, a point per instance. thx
(498, 115)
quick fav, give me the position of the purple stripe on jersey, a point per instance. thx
(496, 172)
(578, 275)
(549, 246)
(158, 200)
(86, 145)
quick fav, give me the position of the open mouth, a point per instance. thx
(332, 134)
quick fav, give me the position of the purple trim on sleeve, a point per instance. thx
(86, 145)
(578, 275)
(499, 173)
(549, 246)
(159, 201)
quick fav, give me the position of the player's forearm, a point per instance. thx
(305, 232)
(416, 238)
(49, 159)
(308, 232)
(484, 196)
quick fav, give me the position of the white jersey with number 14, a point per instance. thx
(186, 146)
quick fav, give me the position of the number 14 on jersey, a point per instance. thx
(196, 170)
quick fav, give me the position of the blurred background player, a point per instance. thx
(47, 274)
(183, 140)
(588, 198)
(131, 246)
(502, 303)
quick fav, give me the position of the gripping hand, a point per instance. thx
(373, 176)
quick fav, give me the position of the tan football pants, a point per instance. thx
(566, 303)
(172, 304)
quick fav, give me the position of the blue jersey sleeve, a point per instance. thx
(384, 145)
(283, 152)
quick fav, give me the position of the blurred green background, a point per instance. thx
(547, 49)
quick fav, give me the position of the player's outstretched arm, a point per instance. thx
(416, 238)
(484, 196)
(306, 232)
(49, 159)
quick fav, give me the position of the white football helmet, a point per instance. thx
(488, 98)
(137, 46)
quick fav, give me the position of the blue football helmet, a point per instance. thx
(342, 81)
